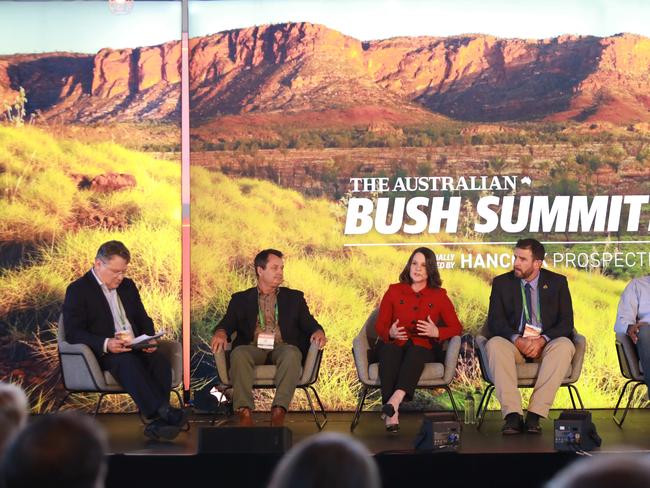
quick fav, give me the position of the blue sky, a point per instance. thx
(90, 26)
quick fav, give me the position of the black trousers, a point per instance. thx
(400, 367)
(147, 377)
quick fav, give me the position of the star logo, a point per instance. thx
(526, 180)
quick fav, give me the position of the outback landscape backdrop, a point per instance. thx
(282, 117)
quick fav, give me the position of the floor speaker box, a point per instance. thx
(268, 440)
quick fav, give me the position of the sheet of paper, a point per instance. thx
(146, 338)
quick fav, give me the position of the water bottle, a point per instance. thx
(470, 410)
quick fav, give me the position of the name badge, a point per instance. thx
(531, 330)
(265, 340)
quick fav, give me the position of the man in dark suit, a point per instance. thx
(103, 310)
(530, 320)
(273, 324)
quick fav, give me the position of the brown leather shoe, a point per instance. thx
(245, 419)
(277, 416)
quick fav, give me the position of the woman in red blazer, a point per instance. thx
(415, 317)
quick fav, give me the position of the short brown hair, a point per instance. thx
(263, 257)
(433, 275)
(536, 247)
(113, 248)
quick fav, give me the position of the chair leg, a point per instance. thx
(179, 397)
(620, 397)
(101, 398)
(573, 403)
(357, 413)
(67, 395)
(453, 402)
(319, 424)
(620, 421)
(574, 389)
(99, 403)
(483, 406)
(320, 404)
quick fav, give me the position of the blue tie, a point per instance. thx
(529, 302)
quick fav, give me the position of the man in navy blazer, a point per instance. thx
(273, 325)
(103, 310)
(530, 319)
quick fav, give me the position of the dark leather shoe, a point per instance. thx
(245, 418)
(532, 424)
(177, 416)
(513, 424)
(160, 430)
(277, 416)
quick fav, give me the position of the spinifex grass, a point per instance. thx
(232, 219)
(40, 207)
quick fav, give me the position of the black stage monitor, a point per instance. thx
(258, 440)
(574, 431)
(440, 431)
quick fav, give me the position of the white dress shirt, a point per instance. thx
(634, 305)
(120, 320)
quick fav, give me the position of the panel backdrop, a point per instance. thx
(328, 133)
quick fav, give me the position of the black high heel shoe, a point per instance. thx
(388, 410)
(392, 428)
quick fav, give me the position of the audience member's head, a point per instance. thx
(57, 450)
(327, 460)
(628, 471)
(14, 410)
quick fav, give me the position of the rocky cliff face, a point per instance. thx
(306, 67)
(124, 85)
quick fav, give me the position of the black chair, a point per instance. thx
(527, 373)
(628, 361)
(265, 374)
(434, 376)
(81, 373)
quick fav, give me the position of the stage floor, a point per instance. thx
(125, 433)
(486, 458)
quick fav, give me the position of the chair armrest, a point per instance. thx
(451, 358)
(629, 362)
(311, 365)
(480, 342)
(360, 348)
(222, 367)
(221, 360)
(79, 367)
(173, 351)
(580, 343)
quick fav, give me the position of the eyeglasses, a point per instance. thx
(114, 272)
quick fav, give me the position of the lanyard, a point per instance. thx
(120, 311)
(537, 310)
(261, 316)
